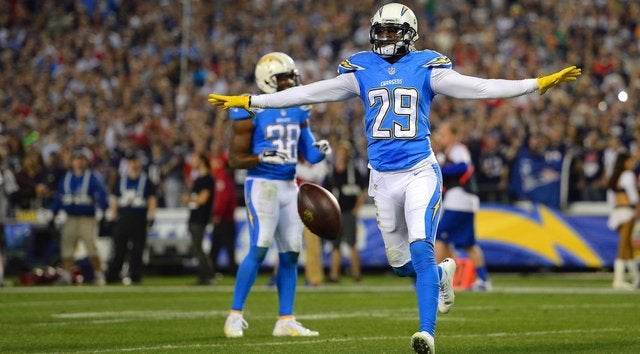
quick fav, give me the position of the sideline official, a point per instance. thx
(133, 208)
(78, 194)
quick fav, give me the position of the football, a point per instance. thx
(319, 211)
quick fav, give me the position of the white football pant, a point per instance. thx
(272, 210)
(407, 206)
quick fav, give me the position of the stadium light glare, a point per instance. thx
(623, 96)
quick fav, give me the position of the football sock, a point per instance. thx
(618, 271)
(482, 273)
(632, 268)
(247, 273)
(427, 284)
(286, 281)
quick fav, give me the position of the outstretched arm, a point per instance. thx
(340, 88)
(453, 84)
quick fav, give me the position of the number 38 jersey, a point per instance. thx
(275, 129)
(397, 97)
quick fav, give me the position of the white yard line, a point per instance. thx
(106, 317)
(291, 343)
(409, 314)
(301, 289)
(146, 314)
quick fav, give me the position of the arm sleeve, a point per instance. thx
(305, 145)
(450, 83)
(340, 88)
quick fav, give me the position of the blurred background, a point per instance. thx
(116, 76)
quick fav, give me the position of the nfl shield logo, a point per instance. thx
(392, 71)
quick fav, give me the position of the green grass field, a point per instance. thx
(541, 313)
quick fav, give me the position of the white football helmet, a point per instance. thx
(394, 30)
(270, 66)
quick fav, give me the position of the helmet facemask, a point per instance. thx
(391, 39)
(286, 80)
(394, 30)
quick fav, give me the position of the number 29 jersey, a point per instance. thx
(397, 98)
(275, 129)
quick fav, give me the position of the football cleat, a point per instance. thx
(289, 327)
(423, 343)
(446, 297)
(622, 285)
(480, 285)
(234, 326)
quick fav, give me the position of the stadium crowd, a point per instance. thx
(106, 74)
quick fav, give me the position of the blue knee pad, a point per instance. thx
(406, 270)
(257, 254)
(288, 259)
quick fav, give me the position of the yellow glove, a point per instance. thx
(564, 75)
(227, 102)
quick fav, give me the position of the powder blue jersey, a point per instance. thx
(397, 98)
(275, 129)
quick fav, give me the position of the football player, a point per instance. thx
(268, 147)
(459, 203)
(397, 83)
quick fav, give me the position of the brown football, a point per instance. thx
(319, 211)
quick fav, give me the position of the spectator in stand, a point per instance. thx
(200, 203)
(493, 171)
(224, 221)
(28, 178)
(350, 187)
(172, 171)
(8, 188)
(154, 170)
(593, 168)
(52, 173)
(610, 154)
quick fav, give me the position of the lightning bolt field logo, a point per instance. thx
(540, 231)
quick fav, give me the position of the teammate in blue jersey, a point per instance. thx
(268, 147)
(397, 83)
